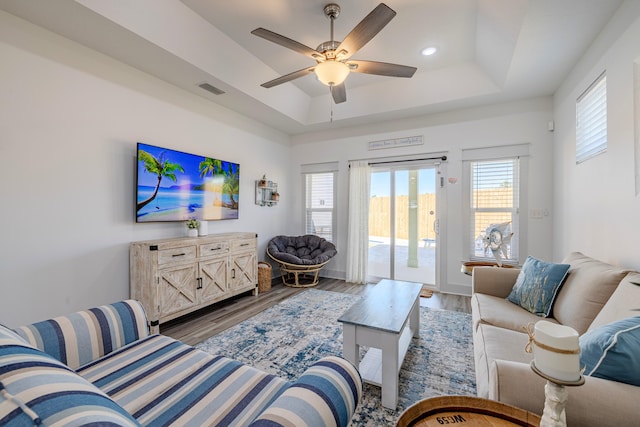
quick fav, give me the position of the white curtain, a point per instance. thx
(358, 229)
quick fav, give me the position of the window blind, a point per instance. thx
(319, 204)
(495, 193)
(591, 120)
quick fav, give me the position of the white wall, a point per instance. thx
(69, 122)
(70, 118)
(513, 123)
(598, 211)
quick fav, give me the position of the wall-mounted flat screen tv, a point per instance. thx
(176, 186)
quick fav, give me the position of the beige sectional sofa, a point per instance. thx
(594, 293)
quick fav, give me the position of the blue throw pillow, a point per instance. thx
(537, 285)
(612, 351)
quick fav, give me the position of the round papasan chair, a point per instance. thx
(301, 258)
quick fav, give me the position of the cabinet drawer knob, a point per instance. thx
(177, 255)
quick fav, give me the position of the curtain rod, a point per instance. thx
(443, 158)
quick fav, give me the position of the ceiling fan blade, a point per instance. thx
(288, 77)
(381, 68)
(288, 43)
(339, 93)
(365, 30)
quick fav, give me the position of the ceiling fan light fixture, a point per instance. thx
(332, 73)
(331, 57)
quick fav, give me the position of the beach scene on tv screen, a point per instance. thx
(176, 186)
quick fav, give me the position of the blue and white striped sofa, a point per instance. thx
(100, 367)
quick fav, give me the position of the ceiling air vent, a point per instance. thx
(214, 90)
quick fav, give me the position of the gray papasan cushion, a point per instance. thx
(301, 250)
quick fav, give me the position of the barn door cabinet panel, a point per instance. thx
(244, 263)
(173, 277)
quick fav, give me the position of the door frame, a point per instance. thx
(440, 220)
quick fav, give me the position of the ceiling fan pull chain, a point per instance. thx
(331, 103)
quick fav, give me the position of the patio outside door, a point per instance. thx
(403, 224)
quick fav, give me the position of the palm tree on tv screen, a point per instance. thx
(210, 166)
(161, 167)
(231, 183)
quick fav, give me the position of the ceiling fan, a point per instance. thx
(332, 57)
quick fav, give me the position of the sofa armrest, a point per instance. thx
(325, 395)
(493, 280)
(598, 402)
(79, 338)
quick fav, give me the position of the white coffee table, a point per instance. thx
(385, 320)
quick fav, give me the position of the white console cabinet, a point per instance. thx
(173, 277)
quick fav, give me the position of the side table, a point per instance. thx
(468, 266)
(465, 411)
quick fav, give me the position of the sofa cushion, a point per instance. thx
(493, 280)
(301, 250)
(39, 390)
(496, 311)
(624, 302)
(586, 289)
(492, 343)
(162, 381)
(613, 351)
(537, 285)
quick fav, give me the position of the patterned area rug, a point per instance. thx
(286, 338)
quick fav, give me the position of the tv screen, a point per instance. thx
(176, 186)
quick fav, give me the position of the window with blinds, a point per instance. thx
(494, 203)
(591, 120)
(319, 204)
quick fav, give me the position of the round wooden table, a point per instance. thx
(465, 411)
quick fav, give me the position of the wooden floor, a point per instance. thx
(198, 326)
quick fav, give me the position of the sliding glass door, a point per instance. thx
(403, 223)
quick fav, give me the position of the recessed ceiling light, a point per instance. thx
(428, 51)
